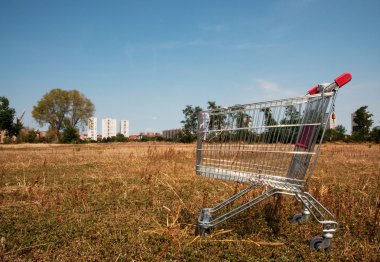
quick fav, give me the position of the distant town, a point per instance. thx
(109, 129)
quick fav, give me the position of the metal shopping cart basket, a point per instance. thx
(271, 144)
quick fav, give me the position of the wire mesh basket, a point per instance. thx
(273, 144)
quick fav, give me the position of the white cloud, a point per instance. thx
(267, 85)
(273, 88)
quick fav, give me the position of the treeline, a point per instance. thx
(238, 123)
(64, 111)
(73, 137)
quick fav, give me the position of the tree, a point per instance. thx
(52, 109)
(240, 120)
(58, 107)
(217, 122)
(340, 132)
(190, 124)
(185, 136)
(268, 116)
(31, 136)
(7, 116)
(363, 122)
(337, 134)
(81, 108)
(375, 134)
(121, 138)
(269, 135)
(70, 134)
(292, 117)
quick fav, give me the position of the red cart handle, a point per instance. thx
(343, 79)
(339, 81)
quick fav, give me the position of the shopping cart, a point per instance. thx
(273, 144)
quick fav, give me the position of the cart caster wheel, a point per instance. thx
(207, 231)
(197, 230)
(320, 243)
(299, 218)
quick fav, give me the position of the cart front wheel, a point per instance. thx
(203, 232)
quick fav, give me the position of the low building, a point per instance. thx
(42, 134)
(133, 137)
(84, 137)
(149, 135)
(170, 133)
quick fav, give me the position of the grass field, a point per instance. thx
(139, 201)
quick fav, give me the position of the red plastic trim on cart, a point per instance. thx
(343, 79)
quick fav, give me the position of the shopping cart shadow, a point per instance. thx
(272, 146)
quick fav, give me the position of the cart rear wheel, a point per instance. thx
(320, 243)
(197, 230)
(299, 218)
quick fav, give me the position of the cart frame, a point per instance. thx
(272, 144)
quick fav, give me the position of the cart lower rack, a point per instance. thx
(271, 144)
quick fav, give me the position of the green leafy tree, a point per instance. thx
(375, 134)
(70, 134)
(190, 123)
(121, 138)
(340, 132)
(292, 116)
(52, 109)
(16, 128)
(185, 136)
(363, 122)
(217, 122)
(337, 134)
(191, 118)
(59, 106)
(241, 121)
(31, 136)
(270, 132)
(81, 108)
(7, 115)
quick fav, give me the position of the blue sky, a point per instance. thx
(146, 60)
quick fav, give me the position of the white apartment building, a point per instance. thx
(124, 127)
(353, 123)
(92, 128)
(108, 127)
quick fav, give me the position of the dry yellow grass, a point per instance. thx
(139, 201)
